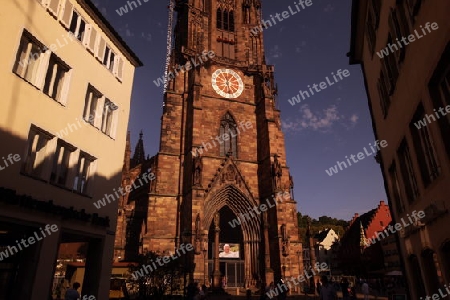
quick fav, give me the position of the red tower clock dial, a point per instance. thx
(227, 83)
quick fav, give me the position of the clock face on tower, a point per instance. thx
(227, 83)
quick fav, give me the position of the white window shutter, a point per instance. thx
(92, 39)
(65, 15)
(53, 6)
(91, 176)
(65, 90)
(99, 112)
(44, 60)
(115, 122)
(120, 68)
(101, 48)
(87, 35)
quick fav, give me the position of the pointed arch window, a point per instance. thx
(225, 20)
(219, 18)
(228, 135)
(231, 21)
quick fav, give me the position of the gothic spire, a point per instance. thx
(139, 153)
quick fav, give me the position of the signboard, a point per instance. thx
(228, 250)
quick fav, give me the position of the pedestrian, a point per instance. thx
(344, 289)
(202, 292)
(327, 292)
(284, 290)
(318, 287)
(365, 290)
(60, 290)
(248, 294)
(72, 294)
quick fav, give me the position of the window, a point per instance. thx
(413, 8)
(42, 68)
(219, 19)
(231, 21)
(90, 105)
(407, 170)
(439, 87)
(373, 22)
(107, 117)
(394, 187)
(28, 58)
(57, 74)
(108, 58)
(226, 44)
(111, 61)
(228, 129)
(396, 35)
(390, 66)
(385, 98)
(83, 172)
(77, 26)
(36, 158)
(61, 160)
(371, 34)
(424, 146)
(225, 19)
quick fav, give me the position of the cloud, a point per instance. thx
(354, 119)
(275, 52)
(315, 121)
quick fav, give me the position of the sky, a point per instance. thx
(321, 130)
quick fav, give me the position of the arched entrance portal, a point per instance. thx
(239, 227)
(231, 250)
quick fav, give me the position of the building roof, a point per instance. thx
(352, 233)
(322, 235)
(92, 10)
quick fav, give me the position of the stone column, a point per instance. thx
(216, 272)
(268, 270)
(45, 265)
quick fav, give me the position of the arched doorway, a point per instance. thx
(430, 268)
(446, 260)
(240, 229)
(417, 276)
(231, 250)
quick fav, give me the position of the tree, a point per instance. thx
(154, 280)
(322, 223)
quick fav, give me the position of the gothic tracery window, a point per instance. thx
(228, 135)
(219, 18)
(225, 15)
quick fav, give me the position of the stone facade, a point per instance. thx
(198, 174)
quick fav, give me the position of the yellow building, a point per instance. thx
(66, 79)
(404, 51)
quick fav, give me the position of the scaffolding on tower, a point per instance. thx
(169, 43)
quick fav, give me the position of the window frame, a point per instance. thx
(81, 171)
(33, 156)
(407, 172)
(61, 94)
(424, 146)
(61, 163)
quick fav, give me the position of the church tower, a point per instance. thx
(222, 181)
